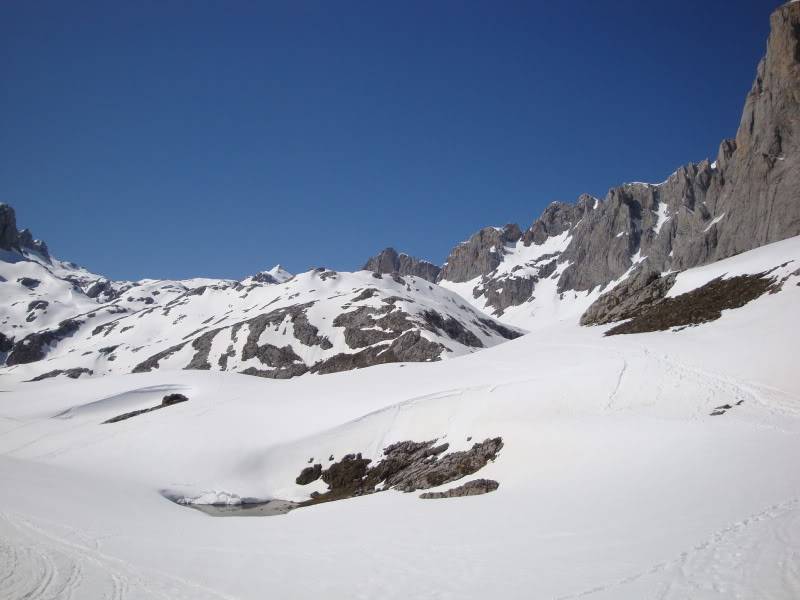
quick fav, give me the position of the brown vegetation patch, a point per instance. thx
(701, 305)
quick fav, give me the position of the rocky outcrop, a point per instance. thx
(406, 466)
(9, 236)
(6, 343)
(366, 325)
(389, 261)
(174, 398)
(309, 474)
(38, 305)
(264, 277)
(471, 488)
(12, 239)
(557, 218)
(452, 328)
(74, 373)
(480, 254)
(631, 297)
(103, 288)
(701, 305)
(29, 282)
(409, 347)
(506, 332)
(26, 241)
(34, 346)
(168, 400)
(153, 362)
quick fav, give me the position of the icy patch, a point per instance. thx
(661, 217)
(210, 497)
(714, 222)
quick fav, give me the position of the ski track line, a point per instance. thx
(759, 395)
(687, 558)
(613, 396)
(116, 576)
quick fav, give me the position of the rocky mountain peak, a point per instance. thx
(389, 260)
(12, 239)
(480, 254)
(9, 236)
(705, 211)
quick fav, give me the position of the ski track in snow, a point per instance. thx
(36, 564)
(612, 397)
(717, 568)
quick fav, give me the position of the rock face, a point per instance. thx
(749, 196)
(480, 254)
(631, 297)
(389, 261)
(557, 218)
(406, 466)
(11, 239)
(9, 236)
(26, 241)
(761, 192)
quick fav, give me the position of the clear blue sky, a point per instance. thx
(173, 139)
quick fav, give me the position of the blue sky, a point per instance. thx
(174, 139)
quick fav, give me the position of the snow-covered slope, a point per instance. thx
(60, 320)
(615, 479)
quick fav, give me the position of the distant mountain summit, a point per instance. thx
(390, 261)
(13, 239)
(276, 274)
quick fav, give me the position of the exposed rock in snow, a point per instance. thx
(168, 400)
(638, 292)
(701, 305)
(471, 488)
(71, 373)
(389, 261)
(406, 466)
(9, 236)
(479, 255)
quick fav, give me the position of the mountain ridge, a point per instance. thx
(410, 309)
